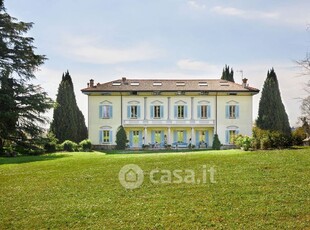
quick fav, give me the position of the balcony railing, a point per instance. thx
(169, 122)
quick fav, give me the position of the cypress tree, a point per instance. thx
(228, 74)
(68, 121)
(271, 112)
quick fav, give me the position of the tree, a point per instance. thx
(22, 103)
(68, 121)
(228, 74)
(121, 138)
(271, 112)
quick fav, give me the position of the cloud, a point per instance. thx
(187, 64)
(194, 4)
(232, 11)
(90, 50)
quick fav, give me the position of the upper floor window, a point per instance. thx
(105, 111)
(232, 111)
(157, 111)
(180, 111)
(133, 111)
(204, 111)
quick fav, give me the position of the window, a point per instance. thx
(157, 136)
(232, 111)
(105, 111)
(157, 111)
(106, 136)
(203, 111)
(180, 111)
(230, 135)
(133, 111)
(180, 136)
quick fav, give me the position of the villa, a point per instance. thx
(159, 113)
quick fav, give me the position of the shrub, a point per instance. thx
(216, 142)
(265, 139)
(121, 138)
(85, 145)
(298, 135)
(244, 142)
(50, 147)
(69, 146)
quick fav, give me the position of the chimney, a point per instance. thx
(123, 79)
(244, 82)
(91, 83)
(87, 84)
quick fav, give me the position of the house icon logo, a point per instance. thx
(131, 176)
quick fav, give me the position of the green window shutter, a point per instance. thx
(161, 111)
(138, 111)
(227, 137)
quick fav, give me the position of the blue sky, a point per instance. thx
(106, 40)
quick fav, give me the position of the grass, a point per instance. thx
(253, 190)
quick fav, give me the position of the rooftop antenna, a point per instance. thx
(240, 71)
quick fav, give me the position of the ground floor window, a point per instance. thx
(180, 136)
(105, 136)
(157, 137)
(230, 136)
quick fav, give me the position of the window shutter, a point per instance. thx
(185, 111)
(197, 139)
(199, 111)
(161, 111)
(227, 137)
(207, 137)
(100, 136)
(175, 136)
(209, 111)
(138, 111)
(140, 139)
(175, 111)
(237, 111)
(237, 131)
(184, 136)
(152, 111)
(128, 111)
(111, 137)
(227, 111)
(153, 137)
(100, 111)
(162, 138)
(130, 138)
(111, 111)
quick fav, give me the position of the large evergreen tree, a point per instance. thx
(68, 121)
(271, 112)
(228, 74)
(21, 103)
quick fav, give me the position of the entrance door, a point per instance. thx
(135, 138)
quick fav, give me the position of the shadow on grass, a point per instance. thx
(150, 151)
(28, 159)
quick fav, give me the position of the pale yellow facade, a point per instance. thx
(169, 119)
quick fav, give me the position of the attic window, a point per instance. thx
(157, 83)
(180, 83)
(116, 83)
(203, 84)
(135, 83)
(224, 84)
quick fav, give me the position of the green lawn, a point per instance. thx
(253, 190)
